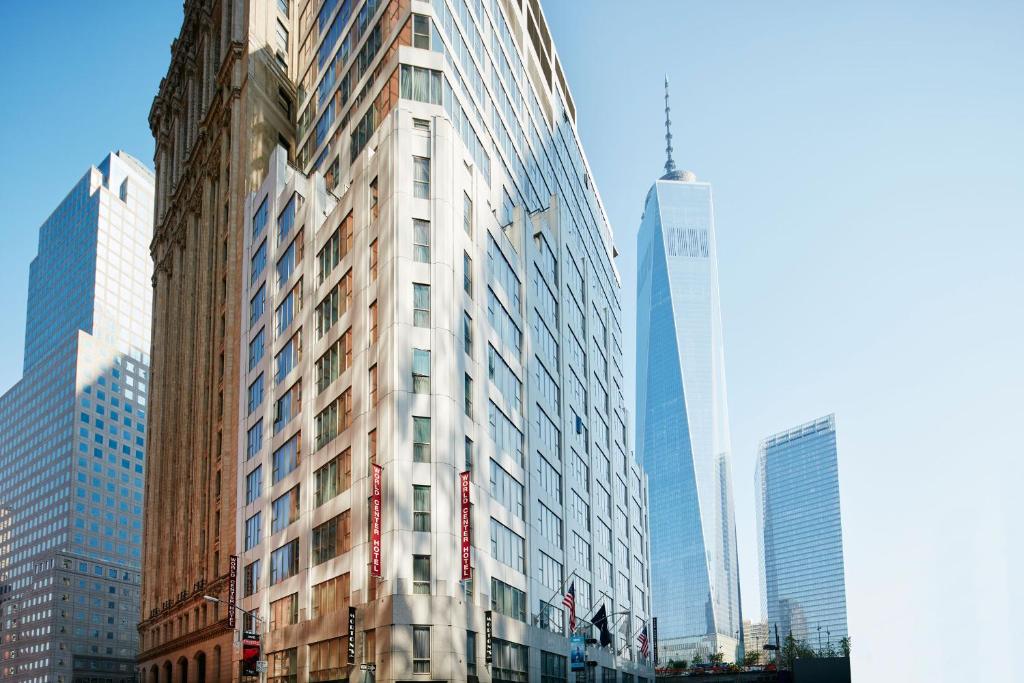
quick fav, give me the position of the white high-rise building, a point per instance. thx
(72, 438)
(433, 291)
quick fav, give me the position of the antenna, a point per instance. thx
(670, 165)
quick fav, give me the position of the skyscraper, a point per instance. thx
(682, 420)
(72, 438)
(431, 291)
(225, 103)
(800, 534)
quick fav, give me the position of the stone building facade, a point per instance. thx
(224, 104)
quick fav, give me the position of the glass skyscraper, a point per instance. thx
(800, 534)
(682, 422)
(72, 438)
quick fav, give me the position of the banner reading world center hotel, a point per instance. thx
(375, 519)
(467, 570)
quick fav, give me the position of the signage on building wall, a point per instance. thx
(488, 649)
(654, 632)
(577, 652)
(250, 653)
(351, 635)
(467, 570)
(375, 520)
(232, 590)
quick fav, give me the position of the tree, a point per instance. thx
(716, 658)
(793, 649)
(844, 645)
(752, 658)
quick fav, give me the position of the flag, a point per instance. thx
(645, 649)
(570, 601)
(601, 622)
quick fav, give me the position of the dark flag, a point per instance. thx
(601, 622)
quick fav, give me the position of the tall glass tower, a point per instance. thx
(682, 420)
(72, 438)
(800, 534)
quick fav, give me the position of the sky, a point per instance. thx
(869, 200)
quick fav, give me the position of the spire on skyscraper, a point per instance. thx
(671, 172)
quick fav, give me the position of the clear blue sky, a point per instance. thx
(866, 160)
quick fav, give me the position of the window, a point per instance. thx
(421, 574)
(332, 478)
(286, 458)
(331, 538)
(467, 214)
(255, 394)
(506, 489)
(374, 199)
(504, 433)
(251, 578)
(282, 666)
(421, 241)
(507, 546)
(470, 653)
(330, 596)
(421, 305)
(421, 177)
(508, 600)
(284, 612)
(373, 322)
(550, 525)
(259, 219)
(467, 390)
(467, 274)
(421, 439)
(552, 668)
(286, 221)
(252, 531)
(421, 31)
(287, 358)
(286, 264)
(288, 406)
(328, 660)
(285, 311)
(257, 305)
(282, 38)
(469, 453)
(373, 260)
(282, 6)
(421, 649)
(333, 419)
(254, 485)
(373, 384)
(424, 85)
(254, 439)
(510, 661)
(285, 510)
(256, 348)
(421, 508)
(420, 371)
(467, 334)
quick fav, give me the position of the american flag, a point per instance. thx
(645, 648)
(570, 601)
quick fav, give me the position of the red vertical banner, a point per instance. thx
(375, 520)
(467, 570)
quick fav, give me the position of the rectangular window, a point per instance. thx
(467, 274)
(254, 439)
(420, 371)
(284, 562)
(330, 596)
(288, 406)
(251, 578)
(467, 214)
(508, 600)
(336, 248)
(257, 263)
(374, 199)
(286, 264)
(421, 177)
(285, 311)
(467, 334)
(421, 649)
(421, 508)
(259, 219)
(286, 458)
(501, 320)
(254, 485)
(328, 660)
(257, 305)
(470, 653)
(284, 612)
(282, 666)
(421, 574)
(421, 31)
(282, 38)
(373, 322)
(332, 478)
(467, 392)
(510, 662)
(421, 305)
(286, 221)
(255, 394)
(374, 256)
(507, 546)
(287, 358)
(332, 538)
(550, 525)
(552, 668)
(420, 241)
(506, 489)
(253, 527)
(504, 379)
(504, 433)
(421, 439)
(469, 453)
(373, 384)
(285, 510)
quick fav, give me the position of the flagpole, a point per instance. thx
(561, 589)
